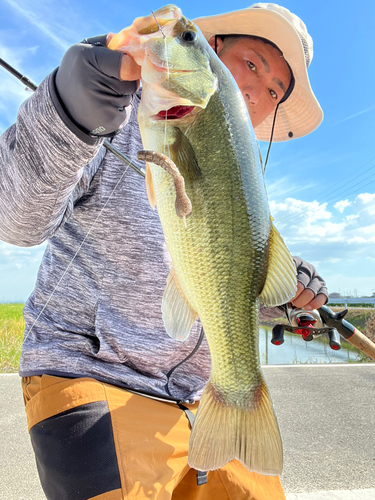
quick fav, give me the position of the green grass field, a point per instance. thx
(11, 334)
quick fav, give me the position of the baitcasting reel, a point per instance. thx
(309, 324)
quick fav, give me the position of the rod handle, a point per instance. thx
(362, 343)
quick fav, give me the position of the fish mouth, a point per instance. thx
(163, 67)
(174, 113)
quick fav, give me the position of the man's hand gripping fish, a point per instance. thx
(227, 255)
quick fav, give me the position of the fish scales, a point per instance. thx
(227, 254)
(224, 281)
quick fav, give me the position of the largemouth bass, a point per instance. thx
(227, 255)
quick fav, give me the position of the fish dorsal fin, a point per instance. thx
(186, 156)
(150, 187)
(281, 282)
(178, 315)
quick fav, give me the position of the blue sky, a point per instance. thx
(321, 187)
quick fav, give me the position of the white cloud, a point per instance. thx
(351, 217)
(291, 211)
(297, 214)
(326, 234)
(366, 197)
(356, 239)
(335, 244)
(341, 205)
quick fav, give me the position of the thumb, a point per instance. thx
(129, 69)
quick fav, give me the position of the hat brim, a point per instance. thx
(301, 113)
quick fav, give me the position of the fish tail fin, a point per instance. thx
(222, 433)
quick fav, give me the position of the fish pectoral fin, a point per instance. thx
(223, 432)
(150, 187)
(187, 160)
(178, 315)
(281, 281)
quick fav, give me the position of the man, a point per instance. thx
(103, 383)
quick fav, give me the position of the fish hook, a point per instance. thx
(157, 22)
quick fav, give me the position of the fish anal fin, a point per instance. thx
(178, 315)
(281, 282)
(222, 432)
(150, 187)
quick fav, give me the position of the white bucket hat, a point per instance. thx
(301, 113)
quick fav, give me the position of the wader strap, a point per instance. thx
(201, 475)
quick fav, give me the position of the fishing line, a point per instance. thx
(157, 22)
(75, 255)
(110, 148)
(166, 52)
(166, 146)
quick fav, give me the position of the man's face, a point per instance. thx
(260, 71)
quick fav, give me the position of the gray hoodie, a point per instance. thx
(95, 310)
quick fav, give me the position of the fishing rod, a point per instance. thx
(311, 324)
(22, 78)
(308, 324)
(29, 84)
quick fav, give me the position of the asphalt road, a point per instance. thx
(326, 417)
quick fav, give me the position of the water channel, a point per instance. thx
(295, 350)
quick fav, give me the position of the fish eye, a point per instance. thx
(189, 36)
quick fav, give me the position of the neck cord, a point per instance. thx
(284, 98)
(272, 131)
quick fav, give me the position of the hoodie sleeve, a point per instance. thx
(266, 313)
(41, 162)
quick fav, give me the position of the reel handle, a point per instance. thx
(277, 335)
(334, 339)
